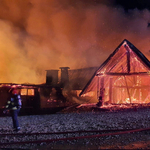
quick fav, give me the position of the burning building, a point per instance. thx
(72, 81)
(49, 97)
(124, 78)
(36, 99)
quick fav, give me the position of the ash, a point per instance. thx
(104, 120)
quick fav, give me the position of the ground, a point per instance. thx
(82, 119)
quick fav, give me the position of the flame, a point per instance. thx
(36, 35)
(89, 94)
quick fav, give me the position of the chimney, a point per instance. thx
(64, 76)
(52, 77)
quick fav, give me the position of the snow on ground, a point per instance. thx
(126, 119)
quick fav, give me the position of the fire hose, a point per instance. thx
(113, 132)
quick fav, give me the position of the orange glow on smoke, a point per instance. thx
(36, 36)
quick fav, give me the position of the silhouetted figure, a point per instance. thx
(99, 104)
(13, 106)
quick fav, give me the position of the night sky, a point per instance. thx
(126, 4)
(133, 4)
(37, 35)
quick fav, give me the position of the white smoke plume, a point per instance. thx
(37, 35)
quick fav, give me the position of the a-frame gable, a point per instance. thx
(125, 59)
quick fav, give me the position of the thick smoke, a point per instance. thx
(37, 35)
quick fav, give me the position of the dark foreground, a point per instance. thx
(79, 121)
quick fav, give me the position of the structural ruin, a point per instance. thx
(124, 78)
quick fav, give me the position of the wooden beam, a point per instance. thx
(110, 90)
(132, 87)
(128, 58)
(122, 73)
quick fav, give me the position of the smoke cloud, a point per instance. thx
(37, 35)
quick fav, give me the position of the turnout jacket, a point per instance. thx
(14, 103)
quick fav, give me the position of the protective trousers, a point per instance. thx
(14, 115)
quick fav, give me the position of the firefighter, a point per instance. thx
(13, 106)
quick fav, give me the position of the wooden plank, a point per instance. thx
(122, 74)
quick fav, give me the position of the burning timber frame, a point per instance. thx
(124, 78)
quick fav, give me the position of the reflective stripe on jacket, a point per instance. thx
(14, 103)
